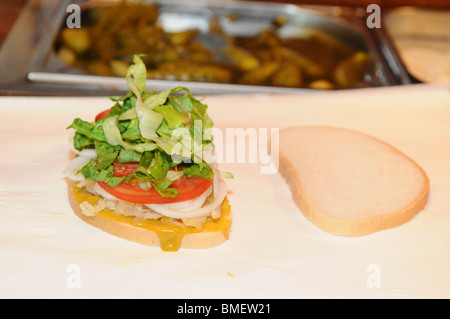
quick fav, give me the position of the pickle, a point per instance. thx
(287, 75)
(352, 70)
(76, 39)
(119, 68)
(321, 85)
(259, 75)
(182, 38)
(242, 58)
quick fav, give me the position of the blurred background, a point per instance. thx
(221, 47)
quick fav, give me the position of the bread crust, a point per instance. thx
(351, 228)
(201, 240)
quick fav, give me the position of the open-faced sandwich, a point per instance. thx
(143, 169)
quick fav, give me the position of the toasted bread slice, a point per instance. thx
(348, 183)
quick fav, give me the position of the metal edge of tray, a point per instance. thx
(391, 56)
(120, 84)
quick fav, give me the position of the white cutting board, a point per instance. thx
(273, 252)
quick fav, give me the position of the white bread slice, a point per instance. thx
(348, 183)
(198, 240)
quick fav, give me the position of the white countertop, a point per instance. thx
(273, 251)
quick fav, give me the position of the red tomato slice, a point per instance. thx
(102, 114)
(188, 188)
(125, 169)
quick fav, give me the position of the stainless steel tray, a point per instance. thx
(42, 71)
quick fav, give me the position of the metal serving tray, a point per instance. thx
(28, 62)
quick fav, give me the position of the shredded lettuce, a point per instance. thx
(112, 132)
(160, 166)
(126, 156)
(113, 137)
(106, 154)
(91, 172)
(160, 130)
(89, 130)
(198, 170)
(174, 175)
(81, 141)
(173, 118)
(149, 120)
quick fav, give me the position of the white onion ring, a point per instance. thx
(100, 191)
(74, 166)
(86, 152)
(183, 206)
(203, 211)
(216, 185)
(186, 209)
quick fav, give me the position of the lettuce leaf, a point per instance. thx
(149, 120)
(160, 166)
(106, 154)
(132, 133)
(90, 172)
(81, 141)
(198, 170)
(173, 118)
(126, 156)
(113, 137)
(89, 130)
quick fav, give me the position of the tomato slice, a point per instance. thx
(125, 169)
(102, 114)
(188, 188)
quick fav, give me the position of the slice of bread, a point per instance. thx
(348, 183)
(169, 238)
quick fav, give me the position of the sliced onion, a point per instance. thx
(99, 190)
(216, 185)
(72, 168)
(185, 205)
(86, 152)
(203, 211)
(187, 209)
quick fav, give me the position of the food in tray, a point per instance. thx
(112, 34)
(348, 183)
(144, 169)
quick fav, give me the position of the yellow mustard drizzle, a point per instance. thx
(170, 233)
